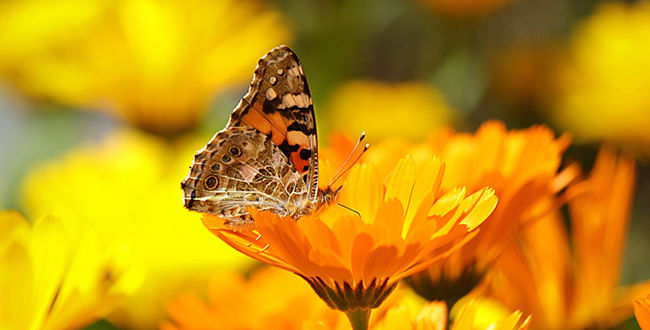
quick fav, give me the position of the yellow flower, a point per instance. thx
(464, 9)
(51, 279)
(602, 87)
(127, 188)
(353, 260)
(470, 315)
(270, 299)
(486, 314)
(575, 287)
(432, 316)
(642, 312)
(156, 64)
(384, 110)
(521, 166)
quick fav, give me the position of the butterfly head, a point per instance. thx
(328, 196)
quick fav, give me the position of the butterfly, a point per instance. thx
(267, 155)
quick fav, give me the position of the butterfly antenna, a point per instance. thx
(345, 168)
(349, 209)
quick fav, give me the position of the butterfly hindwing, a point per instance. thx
(241, 168)
(279, 105)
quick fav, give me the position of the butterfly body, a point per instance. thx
(267, 155)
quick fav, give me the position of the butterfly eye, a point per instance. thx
(211, 182)
(215, 167)
(273, 80)
(225, 158)
(236, 152)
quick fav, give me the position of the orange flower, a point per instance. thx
(575, 287)
(521, 77)
(642, 312)
(270, 299)
(353, 260)
(521, 166)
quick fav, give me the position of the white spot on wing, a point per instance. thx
(287, 101)
(297, 137)
(302, 100)
(294, 71)
(270, 94)
(248, 173)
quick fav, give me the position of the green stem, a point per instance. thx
(359, 318)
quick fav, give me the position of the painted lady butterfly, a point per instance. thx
(267, 155)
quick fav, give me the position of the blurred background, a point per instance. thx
(103, 103)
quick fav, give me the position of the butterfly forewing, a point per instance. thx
(278, 104)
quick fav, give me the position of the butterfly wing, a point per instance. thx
(279, 105)
(241, 168)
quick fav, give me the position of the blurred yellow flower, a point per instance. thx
(602, 87)
(385, 110)
(269, 299)
(474, 314)
(127, 187)
(642, 312)
(432, 316)
(51, 279)
(464, 9)
(486, 314)
(522, 167)
(353, 260)
(577, 286)
(156, 64)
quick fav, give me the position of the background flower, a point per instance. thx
(523, 168)
(642, 312)
(472, 314)
(602, 84)
(413, 109)
(269, 299)
(156, 64)
(53, 279)
(521, 77)
(128, 188)
(575, 285)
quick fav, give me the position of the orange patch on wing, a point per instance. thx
(298, 138)
(302, 165)
(266, 123)
(276, 124)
